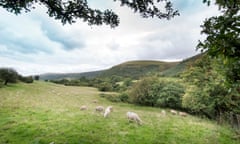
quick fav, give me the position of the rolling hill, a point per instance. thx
(136, 69)
(133, 69)
(180, 67)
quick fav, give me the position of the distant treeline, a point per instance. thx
(9, 75)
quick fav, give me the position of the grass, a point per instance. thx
(41, 113)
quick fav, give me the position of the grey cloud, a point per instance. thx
(21, 44)
(69, 41)
(167, 46)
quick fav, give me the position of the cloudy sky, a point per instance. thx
(33, 43)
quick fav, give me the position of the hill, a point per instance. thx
(46, 113)
(136, 69)
(55, 76)
(133, 69)
(180, 67)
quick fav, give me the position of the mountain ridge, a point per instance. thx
(133, 69)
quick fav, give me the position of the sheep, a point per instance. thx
(134, 117)
(173, 112)
(83, 107)
(94, 101)
(107, 111)
(184, 114)
(163, 112)
(99, 108)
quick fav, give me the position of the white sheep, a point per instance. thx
(107, 111)
(184, 114)
(174, 112)
(134, 117)
(83, 107)
(163, 112)
(99, 108)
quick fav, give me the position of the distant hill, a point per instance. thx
(176, 70)
(133, 69)
(55, 76)
(136, 69)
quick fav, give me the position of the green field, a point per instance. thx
(43, 113)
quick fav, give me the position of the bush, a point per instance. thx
(105, 87)
(111, 97)
(28, 79)
(152, 92)
(8, 75)
(124, 97)
(142, 92)
(170, 95)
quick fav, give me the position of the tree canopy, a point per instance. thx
(67, 11)
(223, 38)
(8, 75)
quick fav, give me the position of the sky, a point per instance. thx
(34, 43)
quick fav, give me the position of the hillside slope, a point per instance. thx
(133, 69)
(57, 76)
(136, 69)
(180, 67)
(46, 113)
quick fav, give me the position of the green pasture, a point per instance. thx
(44, 113)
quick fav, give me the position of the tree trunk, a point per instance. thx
(6, 81)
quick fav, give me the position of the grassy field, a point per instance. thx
(43, 113)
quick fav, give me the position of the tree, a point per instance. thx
(223, 38)
(36, 77)
(8, 75)
(69, 10)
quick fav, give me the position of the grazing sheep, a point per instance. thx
(183, 114)
(99, 108)
(94, 101)
(107, 111)
(134, 117)
(163, 112)
(173, 112)
(83, 107)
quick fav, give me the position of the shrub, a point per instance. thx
(124, 97)
(152, 92)
(28, 79)
(111, 97)
(104, 87)
(142, 94)
(170, 95)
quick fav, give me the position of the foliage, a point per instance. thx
(111, 97)
(141, 92)
(28, 79)
(223, 43)
(105, 87)
(71, 10)
(36, 77)
(170, 95)
(8, 75)
(223, 39)
(152, 92)
(124, 97)
(207, 93)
